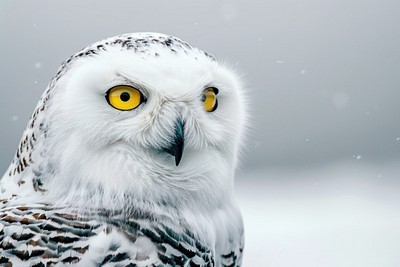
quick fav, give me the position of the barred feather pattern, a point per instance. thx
(44, 236)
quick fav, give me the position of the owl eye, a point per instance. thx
(210, 101)
(123, 97)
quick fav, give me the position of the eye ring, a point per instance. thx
(209, 99)
(124, 97)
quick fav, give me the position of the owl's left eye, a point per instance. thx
(124, 97)
(210, 100)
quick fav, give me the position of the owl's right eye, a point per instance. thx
(124, 97)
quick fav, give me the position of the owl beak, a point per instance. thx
(177, 144)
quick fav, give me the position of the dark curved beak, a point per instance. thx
(177, 143)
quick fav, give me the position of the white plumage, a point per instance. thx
(97, 182)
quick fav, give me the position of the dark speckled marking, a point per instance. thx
(54, 237)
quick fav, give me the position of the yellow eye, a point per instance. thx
(210, 99)
(124, 97)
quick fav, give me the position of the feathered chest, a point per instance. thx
(41, 236)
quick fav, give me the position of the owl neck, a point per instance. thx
(120, 178)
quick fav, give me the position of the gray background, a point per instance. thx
(323, 80)
(323, 75)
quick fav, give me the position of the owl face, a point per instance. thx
(127, 119)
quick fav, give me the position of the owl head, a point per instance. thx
(144, 116)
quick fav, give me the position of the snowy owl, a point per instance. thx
(128, 160)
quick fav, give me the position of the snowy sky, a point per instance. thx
(323, 76)
(319, 182)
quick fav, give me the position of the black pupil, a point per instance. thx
(125, 96)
